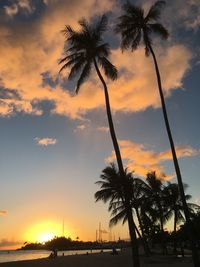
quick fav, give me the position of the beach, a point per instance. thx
(104, 259)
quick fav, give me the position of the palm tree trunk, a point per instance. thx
(191, 234)
(143, 237)
(175, 220)
(134, 243)
(164, 247)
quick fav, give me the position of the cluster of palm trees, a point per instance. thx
(85, 49)
(154, 202)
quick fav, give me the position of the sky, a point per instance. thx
(55, 144)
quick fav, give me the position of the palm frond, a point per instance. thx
(147, 42)
(154, 11)
(160, 30)
(101, 25)
(103, 50)
(68, 31)
(76, 69)
(85, 27)
(71, 62)
(84, 75)
(132, 10)
(108, 68)
(121, 216)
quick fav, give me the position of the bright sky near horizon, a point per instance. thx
(54, 144)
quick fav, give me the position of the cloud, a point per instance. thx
(29, 51)
(142, 160)
(24, 5)
(9, 243)
(46, 141)
(81, 127)
(11, 10)
(103, 129)
(136, 89)
(187, 13)
(3, 212)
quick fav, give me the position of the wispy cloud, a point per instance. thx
(103, 129)
(81, 127)
(46, 141)
(9, 243)
(141, 159)
(3, 212)
(24, 5)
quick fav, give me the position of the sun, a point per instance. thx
(44, 237)
(42, 231)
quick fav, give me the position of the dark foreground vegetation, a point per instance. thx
(154, 202)
(64, 243)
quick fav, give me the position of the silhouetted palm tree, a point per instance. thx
(157, 198)
(135, 27)
(175, 205)
(86, 49)
(112, 191)
(137, 191)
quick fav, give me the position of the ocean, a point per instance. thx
(19, 255)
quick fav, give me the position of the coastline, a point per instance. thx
(104, 259)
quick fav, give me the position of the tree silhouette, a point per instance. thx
(86, 49)
(175, 206)
(135, 28)
(112, 191)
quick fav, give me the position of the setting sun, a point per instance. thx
(43, 231)
(44, 237)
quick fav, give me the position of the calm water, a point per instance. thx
(13, 255)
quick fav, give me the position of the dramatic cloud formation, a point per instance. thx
(29, 57)
(45, 141)
(142, 160)
(3, 212)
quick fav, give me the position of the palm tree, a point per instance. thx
(112, 191)
(135, 27)
(86, 49)
(156, 195)
(176, 207)
(137, 190)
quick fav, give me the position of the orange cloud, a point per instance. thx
(142, 160)
(45, 141)
(3, 212)
(28, 53)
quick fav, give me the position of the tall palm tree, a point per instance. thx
(136, 27)
(85, 49)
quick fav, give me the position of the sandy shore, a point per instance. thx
(103, 260)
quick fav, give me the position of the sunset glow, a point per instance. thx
(42, 232)
(43, 237)
(55, 144)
